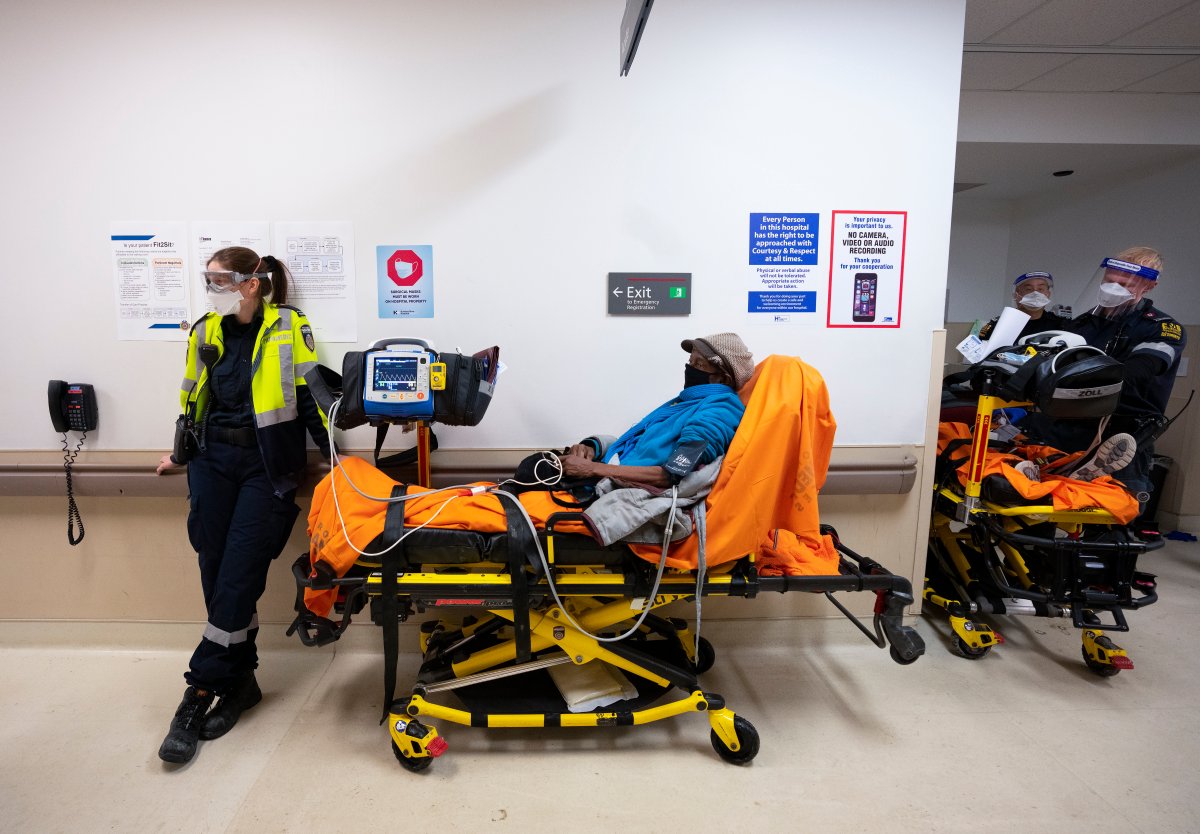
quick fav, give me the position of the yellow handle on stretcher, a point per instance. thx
(979, 441)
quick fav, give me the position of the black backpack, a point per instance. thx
(1072, 383)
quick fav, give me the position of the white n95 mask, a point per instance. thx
(225, 302)
(1112, 294)
(1034, 300)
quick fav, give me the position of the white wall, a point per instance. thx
(501, 134)
(979, 283)
(1069, 234)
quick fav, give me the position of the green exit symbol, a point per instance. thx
(678, 292)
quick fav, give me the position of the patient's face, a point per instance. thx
(696, 360)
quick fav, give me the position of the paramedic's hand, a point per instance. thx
(165, 464)
(584, 450)
(576, 465)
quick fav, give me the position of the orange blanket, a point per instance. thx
(770, 477)
(772, 472)
(1065, 493)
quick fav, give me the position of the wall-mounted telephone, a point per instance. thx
(72, 406)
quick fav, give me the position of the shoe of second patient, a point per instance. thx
(180, 744)
(241, 696)
(1114, 454)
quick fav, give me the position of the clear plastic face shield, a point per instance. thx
(1032, 292)
(1116, 288)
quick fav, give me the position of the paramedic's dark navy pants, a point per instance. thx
(238, 525)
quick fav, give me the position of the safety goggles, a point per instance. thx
(228, 280)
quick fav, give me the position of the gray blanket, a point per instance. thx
(634, 514)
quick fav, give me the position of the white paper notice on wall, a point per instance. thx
(320, 257)
(151, 281)
(866, 268)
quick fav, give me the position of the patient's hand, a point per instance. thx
(584, 450)
(576, 465)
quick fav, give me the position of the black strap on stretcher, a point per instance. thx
(392, 565)
(521, 546)
(405, 457)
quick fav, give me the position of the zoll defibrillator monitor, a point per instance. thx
(397, 381)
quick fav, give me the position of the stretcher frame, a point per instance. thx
(522, 629)
(967, 530)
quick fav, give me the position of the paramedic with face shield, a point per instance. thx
(1032, 294)
(1124, 323)
(243, 381)
(690, 430)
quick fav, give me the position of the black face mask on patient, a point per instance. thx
(694, 376)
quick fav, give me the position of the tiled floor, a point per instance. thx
(1025, 739)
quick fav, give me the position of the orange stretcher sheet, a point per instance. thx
(1065, 493)
(764, 500)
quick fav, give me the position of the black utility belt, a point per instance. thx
(234, 437)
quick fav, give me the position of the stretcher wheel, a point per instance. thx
(1104, 670)
(747, 739)
(961, 648)
(706, 656)
(414, 764)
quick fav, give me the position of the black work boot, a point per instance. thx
(180, 744)
(241, 696)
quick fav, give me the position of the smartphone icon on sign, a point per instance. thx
(865, 285)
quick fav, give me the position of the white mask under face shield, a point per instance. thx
(1033, 300)
(1112, 295)
(1116, 288)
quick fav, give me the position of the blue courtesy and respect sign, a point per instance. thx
(781, 238)
(782, 302)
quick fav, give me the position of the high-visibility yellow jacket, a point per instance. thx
(284, 350)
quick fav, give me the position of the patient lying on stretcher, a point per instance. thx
(691, 430)
(776, 435)
(1041, 474)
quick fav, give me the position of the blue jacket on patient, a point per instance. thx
(703, 412)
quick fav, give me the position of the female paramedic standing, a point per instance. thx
(243, 380)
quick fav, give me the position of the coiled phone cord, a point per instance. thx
(74, 519)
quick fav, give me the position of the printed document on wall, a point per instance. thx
(785, 287)
(866, 268)
(151, 276)
(320, 256)
(211, 236)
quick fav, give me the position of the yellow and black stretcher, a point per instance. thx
(533, 602)
(1001, 544)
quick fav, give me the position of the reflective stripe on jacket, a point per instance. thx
(283, 352)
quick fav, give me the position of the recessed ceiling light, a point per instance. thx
(1062, 173)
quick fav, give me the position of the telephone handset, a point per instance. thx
(72, 406)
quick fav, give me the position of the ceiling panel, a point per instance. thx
(1102, 73)
(995, 71)
(986, 17)
(1184, 78)
(1084, 22)
(1179, 29)
(1012, 170)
